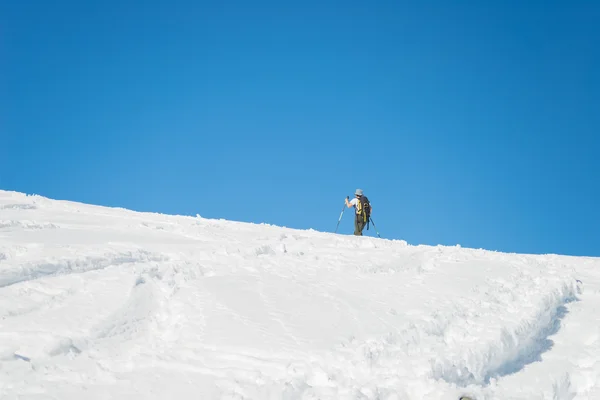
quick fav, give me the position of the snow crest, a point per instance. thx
(108, 303)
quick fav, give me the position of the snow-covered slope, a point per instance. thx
(104, 303)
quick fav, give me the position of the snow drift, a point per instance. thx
(100, 303)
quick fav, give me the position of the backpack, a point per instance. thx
(363, 209)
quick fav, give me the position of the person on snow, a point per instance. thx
(363, 209)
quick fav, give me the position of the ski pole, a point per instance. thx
(375, 227)
(342, 213)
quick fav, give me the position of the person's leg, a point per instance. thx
(358, 226)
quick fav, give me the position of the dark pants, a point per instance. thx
(359, 225)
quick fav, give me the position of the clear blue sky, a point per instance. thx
(476, 124)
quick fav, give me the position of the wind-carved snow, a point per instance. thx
(26, 225)
(35, 270)
(511, 350)
(113, 303)
(22, 206)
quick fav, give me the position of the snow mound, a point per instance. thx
(100, 302)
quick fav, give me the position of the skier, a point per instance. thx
(363, 209)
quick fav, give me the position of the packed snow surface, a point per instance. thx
(105, 303)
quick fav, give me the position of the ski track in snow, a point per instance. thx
(110, 303)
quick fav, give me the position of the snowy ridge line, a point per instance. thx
(181, 307)
(35, 270)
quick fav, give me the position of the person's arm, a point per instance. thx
(350, 203)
